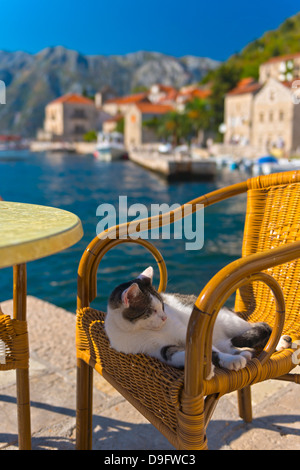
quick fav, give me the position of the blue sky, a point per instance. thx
(211, 28)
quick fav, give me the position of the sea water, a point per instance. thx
(79, 184)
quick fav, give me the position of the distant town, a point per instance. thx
(260, 116)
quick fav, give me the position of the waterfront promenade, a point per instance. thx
(116, 424)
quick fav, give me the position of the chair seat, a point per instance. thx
(155, 387)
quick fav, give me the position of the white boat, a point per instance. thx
(110, 146)
(262, 167)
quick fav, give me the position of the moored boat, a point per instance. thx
(110, 146)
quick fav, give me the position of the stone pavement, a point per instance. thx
(116, 424)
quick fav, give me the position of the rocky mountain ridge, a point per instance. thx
(32, 80)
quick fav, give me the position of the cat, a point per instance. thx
(141, 320)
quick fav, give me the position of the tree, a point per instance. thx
(120, 125)
(198, 113)
(176, 126)
(225, 79)
(90, 136)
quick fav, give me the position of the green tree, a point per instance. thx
(226, 78)
(120, 125)
(90, 136)
(199, 115)
(176, 126)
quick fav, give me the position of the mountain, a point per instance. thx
(32, 80)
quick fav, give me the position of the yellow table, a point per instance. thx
(29, 232)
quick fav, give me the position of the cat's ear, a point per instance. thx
(129, 294)
(147, 275)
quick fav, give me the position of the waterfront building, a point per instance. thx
(283, 68)
(69, 117)
(135, 133)
(265, 115)
(119, 105)
(276, 117)
(238, 112)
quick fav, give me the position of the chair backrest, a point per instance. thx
(272, 219)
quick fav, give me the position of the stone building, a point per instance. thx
(276, 117)
(266, 114)
(238, 112)
(69, 117)
(134, 132)
(120, 105)
(283, 68)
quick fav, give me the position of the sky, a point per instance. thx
(211, 28)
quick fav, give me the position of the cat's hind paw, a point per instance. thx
(284, 343)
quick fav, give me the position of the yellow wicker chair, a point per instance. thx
(267, 280)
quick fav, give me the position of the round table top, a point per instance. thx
(29, 232)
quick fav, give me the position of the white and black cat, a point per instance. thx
(140, 320)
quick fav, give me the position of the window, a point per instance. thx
(79, 130)
(78, 114)
(281, 115)
(271, 116)
(261, 117)
(272, 95)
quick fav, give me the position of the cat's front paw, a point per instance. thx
(211, 374)
(178, 359)
(284, 343)
(233, 362)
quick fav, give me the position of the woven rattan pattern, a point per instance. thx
(273, 219)
(14, 343)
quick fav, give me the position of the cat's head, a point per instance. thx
(138, 303)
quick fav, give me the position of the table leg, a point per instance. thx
(22, 375)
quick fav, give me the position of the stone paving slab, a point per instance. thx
(116, 424)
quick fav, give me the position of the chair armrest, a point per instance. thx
(213, 297)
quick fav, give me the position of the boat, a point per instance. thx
(110, 146)
(270, 164)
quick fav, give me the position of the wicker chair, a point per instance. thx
(267, 280)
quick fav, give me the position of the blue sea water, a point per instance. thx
(80, 184)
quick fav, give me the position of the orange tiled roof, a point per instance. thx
(246, 81)
(194, 92)
(73, 98)
(170, 96)
(115, 118)
(246, 85)
(128, 99)
(281, 58)
(152, 108)
(166, 88)
(198, 93)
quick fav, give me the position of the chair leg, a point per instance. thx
(84, 410)
(22, 375)
(23, 404)
(245, 405)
